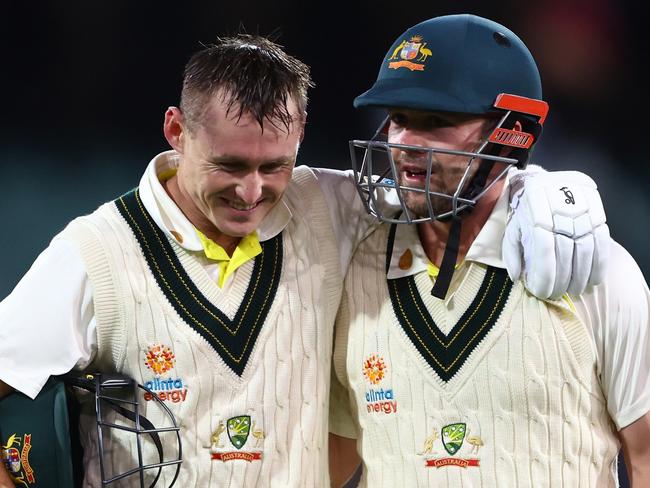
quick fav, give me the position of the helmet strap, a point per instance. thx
(446, 272)
(478, 182)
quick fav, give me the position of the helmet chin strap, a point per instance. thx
(476, 186)
(478, 182)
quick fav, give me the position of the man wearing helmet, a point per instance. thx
(215, 283)
(446, 371)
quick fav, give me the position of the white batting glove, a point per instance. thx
(556, 233)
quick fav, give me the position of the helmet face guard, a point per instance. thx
(375, 169)
(119, 394)
(461, 64)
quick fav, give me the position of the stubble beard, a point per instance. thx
(416, 202)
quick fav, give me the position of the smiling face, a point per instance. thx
(231, 171)
(440, 130)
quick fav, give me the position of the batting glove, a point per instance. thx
(556, 234)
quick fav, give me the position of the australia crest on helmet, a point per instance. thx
(411, 54)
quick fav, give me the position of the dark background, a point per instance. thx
(84, 86)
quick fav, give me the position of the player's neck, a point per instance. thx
(434, 235)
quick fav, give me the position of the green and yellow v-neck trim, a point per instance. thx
(446, 354)
(232, 339)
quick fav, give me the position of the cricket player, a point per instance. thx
(468, 379)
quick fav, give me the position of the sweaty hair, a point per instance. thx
(254, 75)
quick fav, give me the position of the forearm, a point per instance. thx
(344, 459)
(636, 451)
(638, 473)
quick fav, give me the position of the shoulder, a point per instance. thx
(101, 220)
(623, 291)
(325, 178)
(98, 236)
(326, 187)
(617, 312)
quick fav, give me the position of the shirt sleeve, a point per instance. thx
(618, 314)
(350, 220)
(47, 323)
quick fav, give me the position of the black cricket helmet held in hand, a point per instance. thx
(460, 64)
(118, 409)
(40, 437)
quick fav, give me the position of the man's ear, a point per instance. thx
(174, 129)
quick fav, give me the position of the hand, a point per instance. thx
(556, 233)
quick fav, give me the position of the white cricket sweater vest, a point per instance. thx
(264, 425)
(520, 404)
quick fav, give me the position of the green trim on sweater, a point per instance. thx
(233, 339)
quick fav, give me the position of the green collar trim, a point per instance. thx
(233, 339)
(446, 354)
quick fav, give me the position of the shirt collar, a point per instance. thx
(486, 248)
(408, 257)
(171, 220)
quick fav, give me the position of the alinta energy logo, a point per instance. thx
(378, 399)
(160, 359)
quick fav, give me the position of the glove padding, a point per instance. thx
(557, 226)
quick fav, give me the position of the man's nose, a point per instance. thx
(411, 137)
(249, 188)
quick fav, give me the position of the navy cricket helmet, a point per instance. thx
(460, 64)
(455, 63)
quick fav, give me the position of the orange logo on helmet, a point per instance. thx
(409, 51)
(160, 359)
